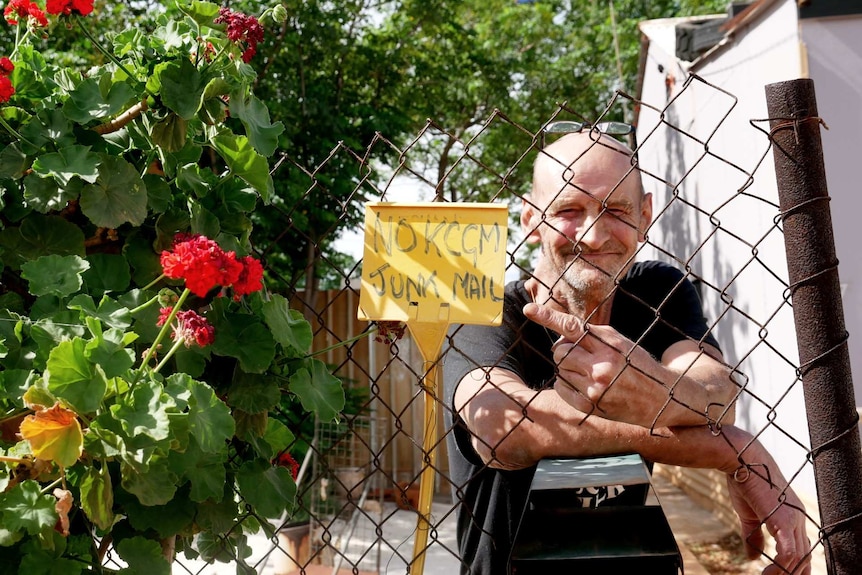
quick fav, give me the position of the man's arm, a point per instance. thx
(604, 373)
(514, 427)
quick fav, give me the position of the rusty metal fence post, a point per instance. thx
(819, 318)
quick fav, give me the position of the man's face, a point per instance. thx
(594, 217)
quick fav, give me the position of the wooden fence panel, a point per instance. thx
(387, 376)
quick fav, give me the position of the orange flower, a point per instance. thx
(54, 434)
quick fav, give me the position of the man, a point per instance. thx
(597, 355)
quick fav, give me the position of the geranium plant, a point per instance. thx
(141, 351)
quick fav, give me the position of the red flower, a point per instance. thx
(194, 328)
(36, 17)
(250, 279)
(15, 8)
(163, 315)
(6, 89)
(191, 327)
(6, 66)
(68, 7)
(201, 263)
(243, 30)
(287, 460)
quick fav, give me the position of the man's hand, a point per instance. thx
(602, 372)
(761, 497)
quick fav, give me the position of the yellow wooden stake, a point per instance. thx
(429, 265)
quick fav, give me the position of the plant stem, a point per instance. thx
(16, 460)
(145, 305)
(53, 484)
(123, 119)
(101, 48)
(152, 283)
(165, 328)
(14, 132)
(17, 41)
(343, 343)
(169, 355)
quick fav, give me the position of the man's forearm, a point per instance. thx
(514, 427)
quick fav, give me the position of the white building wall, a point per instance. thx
(724, 228)
(834, 49)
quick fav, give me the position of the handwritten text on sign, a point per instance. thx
(434, 262)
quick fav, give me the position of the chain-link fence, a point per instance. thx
(715, 217)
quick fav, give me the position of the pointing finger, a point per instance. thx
(569, 326)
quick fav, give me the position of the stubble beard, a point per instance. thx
(588, 286)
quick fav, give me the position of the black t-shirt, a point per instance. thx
(654, 306)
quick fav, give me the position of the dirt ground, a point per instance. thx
(726, 556)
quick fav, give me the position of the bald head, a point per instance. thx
(583, 156)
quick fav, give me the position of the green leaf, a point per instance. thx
(57, 275)
(73, 378)
(192, 361)
(182, 87)
(9, 538)
(144, 411)
(97, 497)
(204, 222)
(254, 115)
(50, 330)
(13, 162)
(40, 562)
(171, 133)
(108, 311)
(118, 195)
(275, 439)
(318, 390)
(40, 235)
(67, 163)
(245, 162)
(218, 547)
(253, 393)
(213, 111)
(51, 126)
(288, 326)
(34, 387)
(26, 508)
(218, 516)
(154, 486)
(178, 386)
(270, 490)
(138, 251)
(205, 471)
(107, 273)
(168, 519)
(237, 197)
(44, 195)
(246, 338)
(210, 421)
(86, 102)
(13, 384)
(193, 178)
(202, 12)
(143, 557)
(159, 193)
(251, 426)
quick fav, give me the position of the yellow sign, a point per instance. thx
(434, 262)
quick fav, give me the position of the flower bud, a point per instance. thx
(279, 13)
(168, 297)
